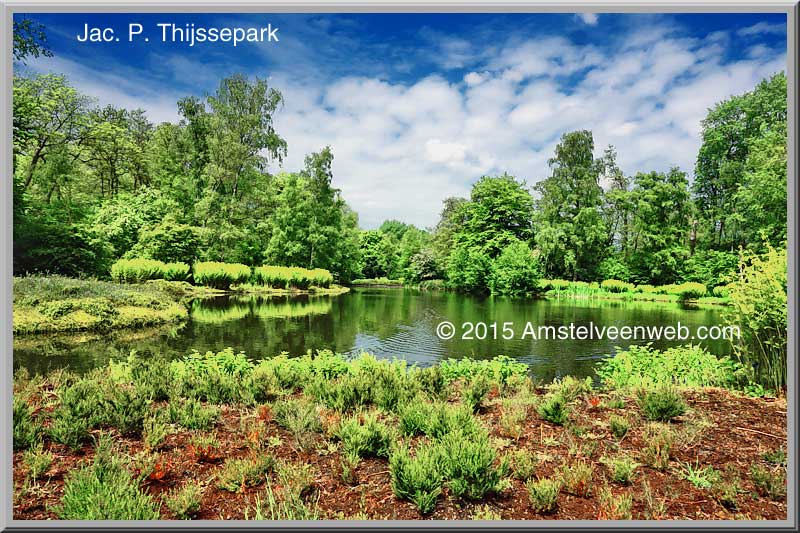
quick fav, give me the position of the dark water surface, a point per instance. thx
(386, 322)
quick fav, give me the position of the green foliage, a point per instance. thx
(171, 242)
(689, 366)
(702, 478)
(710, 267)
(467, 462)
(515, 272)
(576, 478)
(523, 464)
(769, 482)
(299, 417)
(220, 275)
(554, 409)
(659, 440)
(77, 412)
(759, 300)
(27, 429)
(363, 435)
(475, 392)
(191, 414)
(498, 370)
(292, 277)
(613, 285)
(619, 426)
(184, 502)
(105, 490)
(661, 404)
(543, 494)
(621, 468)
(37, 461)
(416, 478)
(237, 474)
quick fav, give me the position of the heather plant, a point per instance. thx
(416, 477)
(363, 435)
(543, 494)
(661, 404)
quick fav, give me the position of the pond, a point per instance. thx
(386, 322)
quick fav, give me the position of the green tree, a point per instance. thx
(729, 132)
(30, 40)
(659, 228)
(571, 233)
(516, 271)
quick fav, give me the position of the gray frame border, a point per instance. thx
(788, 7)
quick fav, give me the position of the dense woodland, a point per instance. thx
(94, 184)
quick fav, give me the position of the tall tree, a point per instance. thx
(571, 233)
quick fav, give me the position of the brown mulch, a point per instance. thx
(735, 433)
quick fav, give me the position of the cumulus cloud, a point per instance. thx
(588, 18)
(401, 146)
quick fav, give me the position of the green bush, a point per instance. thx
(690, 366)
(554, 409)
(515, 272)
(621, 468)
(191, 414)
(770, 483)
(543, 494)
(416, 478)
(27, 430)
(77, 412)
(237, 474)
(220, 275)
(468, 464)
(690, 291)
(292, 277)
(619, 426)
(661, 404)
(299, 417)
(363, 435)
(658, 446)
(105, 490)
(184, 502)
(137, 270)
(613, 285)
(176, 272)
(475, 392)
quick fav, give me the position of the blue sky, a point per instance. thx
(417, 107)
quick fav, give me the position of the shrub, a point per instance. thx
(192, 414)
(659, 440)
(137, 270)
(237, 474)
(77, 412)
(220, 275)
(27, 430)
(154, 431)
(37, 461)
(613, 285)
(702, 478)
(432, 381)
(523, 464)
(690, 291)
(124, 409)
(416, 478)
(516, 271)
(467, 463)
(184, 502)
(554, 409)
(475, 392)
(512, 418)
(617, 507)
(619, 426)
(365, 436)
(176, 272)
(577, 478)
(292, 277)
(622, 468)
(770, 483)
(569, 388)
(689, 365)
(661, 404)
(299, 417)
(414, 418)
(105, 490)
(543, 494)
(759, 301)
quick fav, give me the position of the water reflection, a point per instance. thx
(388, 323)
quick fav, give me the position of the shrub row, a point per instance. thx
(219, 275)
(684, 291)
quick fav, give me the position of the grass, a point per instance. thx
(57, 304)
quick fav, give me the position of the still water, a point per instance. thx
(386, 322)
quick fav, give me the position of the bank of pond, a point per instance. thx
(662, 435)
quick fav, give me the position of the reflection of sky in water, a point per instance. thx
(387, 323)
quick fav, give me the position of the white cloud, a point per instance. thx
(760, 28)
(588, 18)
